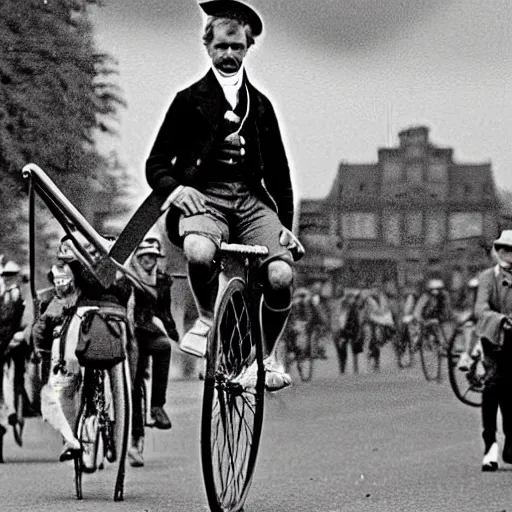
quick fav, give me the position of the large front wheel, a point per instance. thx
(232, 416)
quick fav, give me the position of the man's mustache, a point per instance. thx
(229, 60)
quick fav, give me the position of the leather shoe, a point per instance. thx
(490, 462)
(135, 453)
(194, 342)
(161, 420)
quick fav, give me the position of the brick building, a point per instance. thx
(414, 214)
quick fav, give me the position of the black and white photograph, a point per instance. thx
(255, 256)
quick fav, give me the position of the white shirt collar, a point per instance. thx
(230, 84)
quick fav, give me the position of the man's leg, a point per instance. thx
(275, 309)
(200, 252)
(160, 350)
(490, 403)
(59, 397)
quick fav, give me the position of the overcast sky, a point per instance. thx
(344, 75)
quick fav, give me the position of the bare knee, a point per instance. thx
(199, 250)
(280, 275)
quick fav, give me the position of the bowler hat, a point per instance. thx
(234, 8)
(505, 239)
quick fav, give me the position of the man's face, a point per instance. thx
(147, 262)
(228, 48)
(505, 254)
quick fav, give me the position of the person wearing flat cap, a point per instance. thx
(220, 159)
(493, 311)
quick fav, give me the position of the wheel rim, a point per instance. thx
(232, 417)
(304, 357)
(468, 385)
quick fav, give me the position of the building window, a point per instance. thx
(391, 226)
(414, 224)
(414, 173)
(465, 224)
(359, 225)
(392, 171)
(414, 151)
(437, 172)
(434, 228)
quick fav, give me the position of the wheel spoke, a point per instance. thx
(235, 416)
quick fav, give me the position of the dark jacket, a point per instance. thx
(146, 307)
(493, 304)
(184, 147)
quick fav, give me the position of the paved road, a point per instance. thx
(386, 442)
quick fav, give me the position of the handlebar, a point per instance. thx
(104, 270)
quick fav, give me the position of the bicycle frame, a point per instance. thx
(105, 268)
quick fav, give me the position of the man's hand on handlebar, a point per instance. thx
(507, 324)
(291, 242)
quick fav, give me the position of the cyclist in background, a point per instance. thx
(345, 322)
(377, 325)
(13, 345)
(434, 303)
(59, 395)
(467, 315)
(154, 330)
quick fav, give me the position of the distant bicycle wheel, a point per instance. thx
(232, 417)
(306, 344)
(467, 385)
(430, 353)
(403, 348)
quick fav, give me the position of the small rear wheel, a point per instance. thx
(103, 424)
(430, 353)
(232, 417)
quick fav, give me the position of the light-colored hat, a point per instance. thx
(11, 268)
(504, 239)
(435, 284)
(473, 283)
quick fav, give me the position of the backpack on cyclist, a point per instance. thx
(100, 340)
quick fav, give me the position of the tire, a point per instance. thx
(113, 425)
(430, 353)
(467, 386)
(231, 417)
(304, 356)
(403, 348)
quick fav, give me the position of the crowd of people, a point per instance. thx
(365, 320)
(53, 336)
(219, 160)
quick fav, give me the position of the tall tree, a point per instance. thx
(56, 95)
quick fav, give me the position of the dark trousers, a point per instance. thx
(497, 391)
(159, 348)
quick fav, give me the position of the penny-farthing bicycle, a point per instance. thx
(232, 416)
